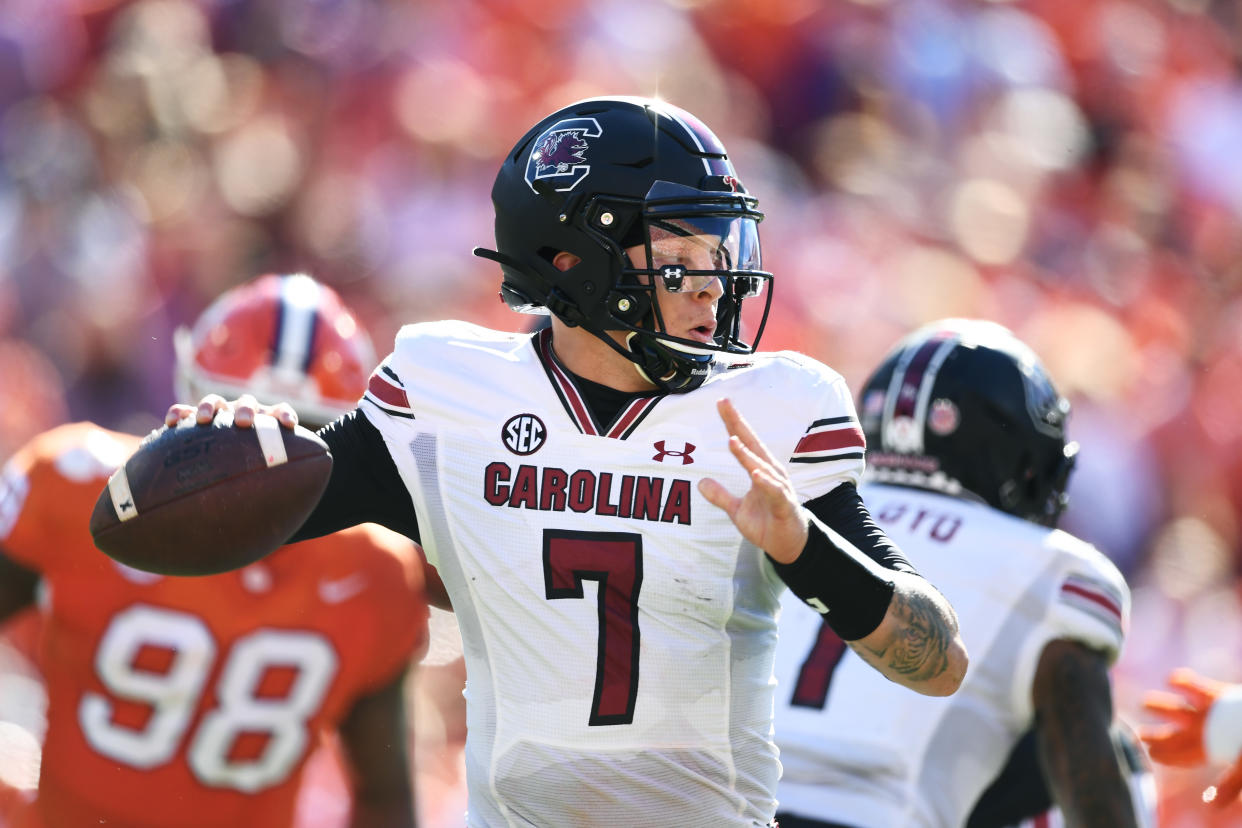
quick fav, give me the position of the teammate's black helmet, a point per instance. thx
(595, 178)
(963, 406)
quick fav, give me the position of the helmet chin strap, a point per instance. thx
(670, 369)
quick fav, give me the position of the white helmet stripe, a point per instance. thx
(707, 167)
(905, 405)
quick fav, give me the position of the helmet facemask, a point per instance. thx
(679, 240)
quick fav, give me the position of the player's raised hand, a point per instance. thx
(1179, 739)
(1185, 738)
(243, 409)
(769, 514)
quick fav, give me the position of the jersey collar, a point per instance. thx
(575, 402)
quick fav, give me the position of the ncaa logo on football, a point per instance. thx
(524, 434)
(561, 154)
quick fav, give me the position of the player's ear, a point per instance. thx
(565, 260)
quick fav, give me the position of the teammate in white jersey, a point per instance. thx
(1019, 798)
(968, 462)
(575, 487)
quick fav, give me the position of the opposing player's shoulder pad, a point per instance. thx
(80, 452)
(382, 551)
(50, 484)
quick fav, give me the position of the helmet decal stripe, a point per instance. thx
(915, 376)
(907, 398)
(696, 136)
(295, 328)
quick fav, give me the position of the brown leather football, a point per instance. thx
(202, 499)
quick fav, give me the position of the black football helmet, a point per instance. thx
(964, 407)
(596, 178)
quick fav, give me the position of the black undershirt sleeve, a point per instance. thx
(843, 510)
(365, 486)
(845, 570)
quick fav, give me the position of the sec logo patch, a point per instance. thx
(523, 434)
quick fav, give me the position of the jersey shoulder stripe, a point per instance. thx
(386, 390)
(817, 408)
(832, 438)
(1095, 598)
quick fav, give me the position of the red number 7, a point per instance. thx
(615, 560)
(811, 689)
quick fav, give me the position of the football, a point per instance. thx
(203, 499)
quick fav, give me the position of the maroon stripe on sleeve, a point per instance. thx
(386, 392)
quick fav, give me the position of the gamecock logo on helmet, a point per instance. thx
(561, 154)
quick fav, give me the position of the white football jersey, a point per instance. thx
(619, 633)
(863, 751)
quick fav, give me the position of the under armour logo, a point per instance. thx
(684, 454)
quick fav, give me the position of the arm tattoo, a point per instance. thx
(919, 651)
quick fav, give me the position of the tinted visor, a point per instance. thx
(709, 252)
(702, 244)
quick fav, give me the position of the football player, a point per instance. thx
(1019, 797)
(968, 462)
(575, 488)
(196, 701)
(1202, 725)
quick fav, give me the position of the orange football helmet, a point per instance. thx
(281, 338)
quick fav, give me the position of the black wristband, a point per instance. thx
(849, 589)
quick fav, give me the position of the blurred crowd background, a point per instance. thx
(1072, 170)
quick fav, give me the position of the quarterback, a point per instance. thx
(576, 488)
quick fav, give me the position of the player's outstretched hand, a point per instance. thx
(769, 514)
(243, 409)
(1179, 739)
(1183, 739)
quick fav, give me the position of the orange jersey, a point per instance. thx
(193, 701)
